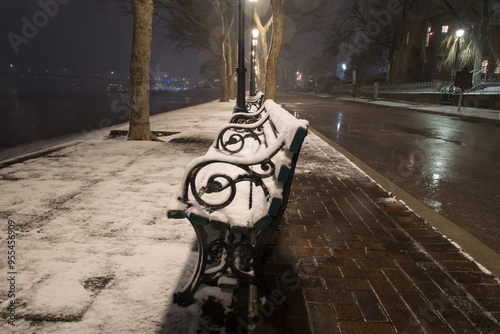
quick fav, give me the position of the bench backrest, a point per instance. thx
(275, 125)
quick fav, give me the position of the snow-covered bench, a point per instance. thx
(254, 103)
(235, 196)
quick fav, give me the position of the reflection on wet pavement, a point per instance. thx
(449, 164)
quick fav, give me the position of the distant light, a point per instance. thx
(255, 33)
(460, 33)
(11, 65)
(344, 67)
(112, 72)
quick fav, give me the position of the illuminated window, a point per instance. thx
(444, 31)
(484, 66)
(428, 36)
(497, 69)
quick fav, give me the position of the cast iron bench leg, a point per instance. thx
(185, 296)
(274, 296)
(251, 251)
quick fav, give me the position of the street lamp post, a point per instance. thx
(240, 69)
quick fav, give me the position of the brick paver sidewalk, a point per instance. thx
(352, 259)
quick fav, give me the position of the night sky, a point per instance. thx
(82, 32)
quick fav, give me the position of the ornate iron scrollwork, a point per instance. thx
(235, 141)
(225, 184)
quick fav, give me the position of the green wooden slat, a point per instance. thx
(221, 226)
(263, 222)
(197, 219)
(275, 206)
(239, 229)
(176, 214)
(284, 174)
(297, 139)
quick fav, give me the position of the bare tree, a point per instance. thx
(142, 12)
(474, 18)
(271, 84)
(279, 28)
(206, 25)
(359, 23)
(203, 25)
(139, 126)
(262, 59)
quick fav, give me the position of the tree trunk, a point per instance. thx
(262, 56)
(271, 85)
(231, 66)
(139, 127)
(224, 91)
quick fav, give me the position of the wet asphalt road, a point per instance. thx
(449, 164)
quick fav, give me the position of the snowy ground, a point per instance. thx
(95, 252)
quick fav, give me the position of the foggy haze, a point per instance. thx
(79, 33)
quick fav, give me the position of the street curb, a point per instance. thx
(36, 154)
(469, 243)
(419, 109)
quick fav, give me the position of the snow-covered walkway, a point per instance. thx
(95, 253)
(94, 250)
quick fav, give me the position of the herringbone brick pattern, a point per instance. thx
(352, 259)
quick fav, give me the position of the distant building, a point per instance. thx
(425, 52)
